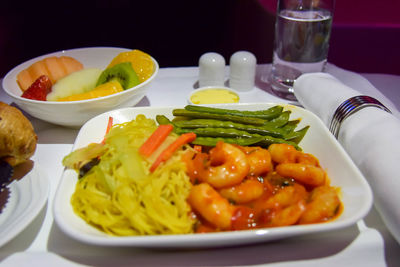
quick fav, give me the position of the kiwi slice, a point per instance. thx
(123, 73)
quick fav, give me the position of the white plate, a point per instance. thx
(27, 198)
(356, 193)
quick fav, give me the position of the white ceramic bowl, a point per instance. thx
(211, 98)
(76, 113)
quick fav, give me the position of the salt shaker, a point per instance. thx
(242, 71)
(211, 69)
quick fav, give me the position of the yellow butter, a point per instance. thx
(214, 96)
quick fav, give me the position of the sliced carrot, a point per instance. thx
(169, 151)
(109, 125)
(155, 140)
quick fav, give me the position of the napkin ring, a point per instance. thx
(351, 106)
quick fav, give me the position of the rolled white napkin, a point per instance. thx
(371, 137)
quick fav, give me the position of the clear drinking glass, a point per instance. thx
(302, 32)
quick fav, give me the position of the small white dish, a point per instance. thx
(27, 197)
(76, 113)
(213, 95)
(356, 194)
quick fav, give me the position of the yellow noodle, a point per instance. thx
(121, 197)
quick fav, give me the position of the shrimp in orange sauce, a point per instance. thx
(307, 158)
(259, 160)
(322, 205)
(225, 165)
(217, 210)
(304, 173)
(283, 153)
(284, 208)
(300, 166)
(252, 187)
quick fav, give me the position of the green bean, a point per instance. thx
(161, 119)
(216, 132)
(204, 115)
(281, 120)
(267, 114)
(269, 140)
(212, 141)
(290, 126)
(210, 123)
(265, 140)
(206, 131)
(297, 136)
(213, 127)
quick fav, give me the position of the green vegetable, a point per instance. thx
(297, 136)
(216, 132)
(234, 128)
(161, 119)
(212, 141)
(265, 140)
(269, 140)
(210, 123)
(267, 114)
(290, 125)
(205, 115)
(281, 120)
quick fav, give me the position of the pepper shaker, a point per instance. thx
(211, 69)
(242, 71)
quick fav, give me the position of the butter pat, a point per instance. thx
(213, 95)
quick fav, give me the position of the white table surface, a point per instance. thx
(42, 243)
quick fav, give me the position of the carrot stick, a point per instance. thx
(155, 140)
(109, 125)
(169, 151)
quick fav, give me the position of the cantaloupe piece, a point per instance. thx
(71, 64)
(24, 80)
(54, 67)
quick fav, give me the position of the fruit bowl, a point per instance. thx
(76, 113)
